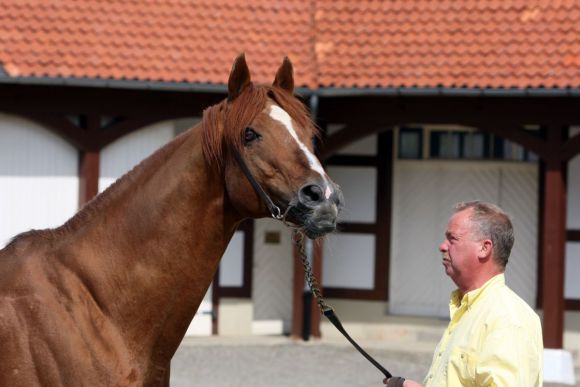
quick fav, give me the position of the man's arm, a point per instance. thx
(511, 356)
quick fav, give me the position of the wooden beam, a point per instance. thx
(573, 235)
(520, 136)
(572, 304)
(125, 126)
(396, 110)
(64, 128)
(553, 243)
(88, 175)
(383, 209)
(571, 148)
(342, 138)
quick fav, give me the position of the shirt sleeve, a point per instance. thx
(510, 357)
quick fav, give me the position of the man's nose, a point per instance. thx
(443, 247)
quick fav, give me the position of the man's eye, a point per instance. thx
(250, 135)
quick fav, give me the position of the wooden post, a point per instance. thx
(88, 176)
(297, 294)
(553, 243)
(317, 270)
(89, 161)
(215, 303)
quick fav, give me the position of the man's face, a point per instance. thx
(460, 250)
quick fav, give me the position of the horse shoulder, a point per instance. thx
(49, 322)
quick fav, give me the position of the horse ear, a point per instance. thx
(239, 77)
(284, 77)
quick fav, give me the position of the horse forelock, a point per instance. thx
(223, 124)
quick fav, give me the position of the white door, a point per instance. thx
(423, 196)
(38, 178)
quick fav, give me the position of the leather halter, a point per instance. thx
(274, 209)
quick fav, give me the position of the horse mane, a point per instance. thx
(223, 124)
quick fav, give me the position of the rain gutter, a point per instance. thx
(305, 92)
(447, 92)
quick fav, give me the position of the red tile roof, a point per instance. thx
(412, 43)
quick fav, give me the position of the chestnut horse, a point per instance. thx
(105, 299)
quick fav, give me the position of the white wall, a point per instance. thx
(38, 178)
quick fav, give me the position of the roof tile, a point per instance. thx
(414, 43)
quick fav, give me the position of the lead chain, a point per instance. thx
(298, 239)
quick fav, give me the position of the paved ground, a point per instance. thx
(281, 362)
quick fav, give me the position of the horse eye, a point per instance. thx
(250, 135)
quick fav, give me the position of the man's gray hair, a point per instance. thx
(491, 222)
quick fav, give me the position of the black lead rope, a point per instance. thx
(333, 318)
(298, 238)
(326, 310)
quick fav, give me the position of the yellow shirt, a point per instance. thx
(493, 339)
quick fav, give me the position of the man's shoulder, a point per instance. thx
(508, 307)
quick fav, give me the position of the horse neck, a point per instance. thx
(150, 250)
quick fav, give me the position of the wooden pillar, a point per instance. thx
(215, 303)
(89, 158)
(317, 270)
(553, 243)
(88, 176)
(299, 291)
(297, 297)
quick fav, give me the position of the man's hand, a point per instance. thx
(397, 381)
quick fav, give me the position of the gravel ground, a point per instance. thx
(282, 362)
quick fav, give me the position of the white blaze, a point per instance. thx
(279, 114)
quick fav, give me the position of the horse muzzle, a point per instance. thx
(317, 208)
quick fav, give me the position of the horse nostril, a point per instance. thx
(311, 194)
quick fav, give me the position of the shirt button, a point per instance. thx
(439, 354)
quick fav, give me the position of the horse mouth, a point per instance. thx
(315, 230)
(315, 222)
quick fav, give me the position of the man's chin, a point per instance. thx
(448, 268)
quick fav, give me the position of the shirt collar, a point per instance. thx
(469, 298)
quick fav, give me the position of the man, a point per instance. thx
(494, 338)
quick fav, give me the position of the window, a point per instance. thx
(411, 143)
(459, 145)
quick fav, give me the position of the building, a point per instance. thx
(422, 104)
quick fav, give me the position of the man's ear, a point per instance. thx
(285, 76)
(239, 77)
(485, 249)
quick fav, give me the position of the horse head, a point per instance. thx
(267, 136)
